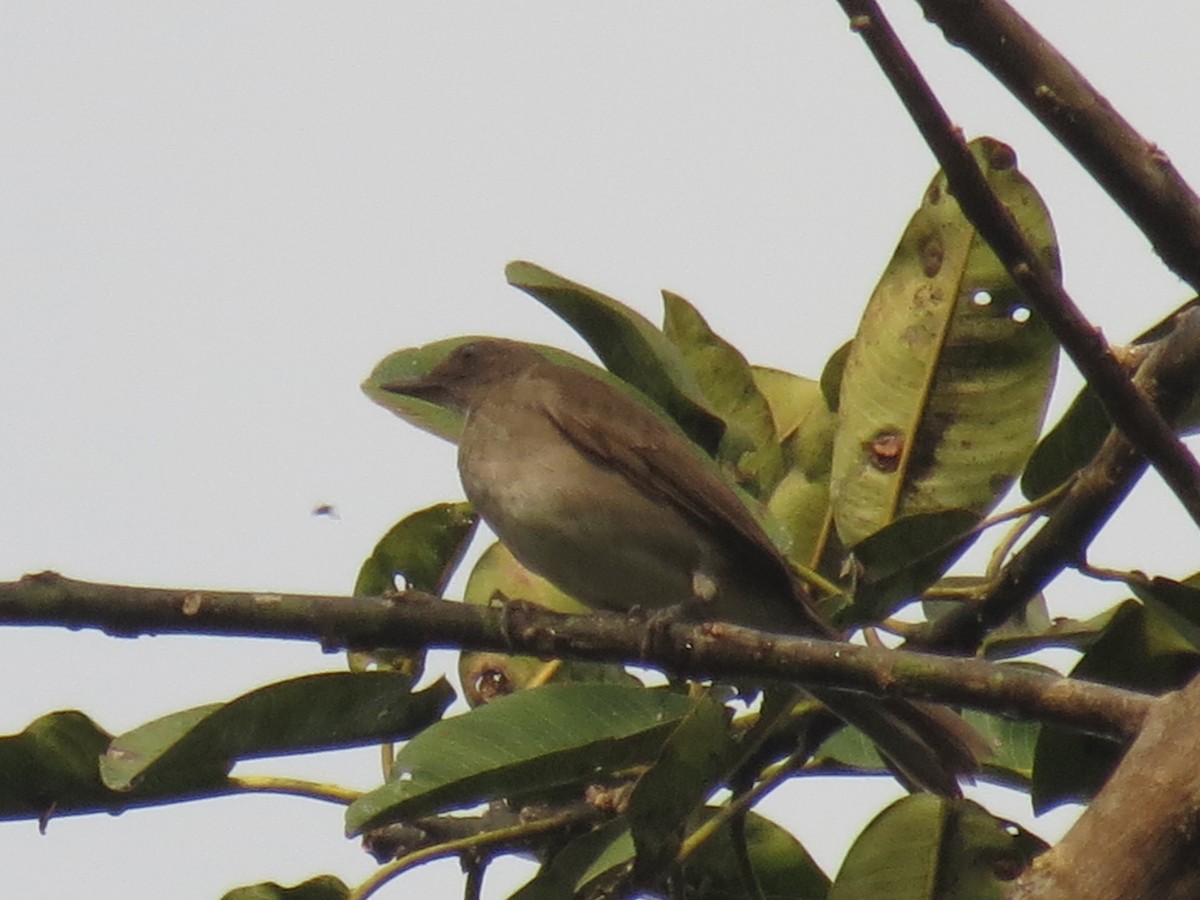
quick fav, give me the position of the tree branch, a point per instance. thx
(1134, 172)
(1170, 373)
(1128, 407)
(696, 650)
(1144, 819)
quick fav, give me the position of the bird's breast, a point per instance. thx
(574, 520)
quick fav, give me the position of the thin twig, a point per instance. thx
(503, 837)
(296, 787)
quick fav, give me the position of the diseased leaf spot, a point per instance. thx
(982, 298)
(885, 449)
(931, 253)
(492, 683)
(1001, 156)
(1020, 314)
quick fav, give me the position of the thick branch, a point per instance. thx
(1170, 373)
(1134, 172)
(1145, 819)
(1127, 406)
(713, 650)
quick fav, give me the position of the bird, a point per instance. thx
(595, 491)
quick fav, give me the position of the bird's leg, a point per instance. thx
(694, 608)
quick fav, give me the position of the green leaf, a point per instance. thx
(804, 422)
(925, 847)
(790, 398)
(801, 507)
(582, 861)
(1147, 648)
(781, 866)
(1073, 634)
(323, 887)
(948, 378)
(1028, 629)
(628, 344)
(848, 751)
(1012, 742)
(555, 735)
(1073, 442)
(195, 748)
(799, 502)
(691, 764)
(424, 549)
(51, 768)
(1068, 447)
(750, 444)
(414, 362)
(1178, 602)
(499, 576)
(832, 374)
(904, 558)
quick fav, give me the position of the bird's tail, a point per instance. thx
(928, 747)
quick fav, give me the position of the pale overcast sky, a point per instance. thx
(216, 218)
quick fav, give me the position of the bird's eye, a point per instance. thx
(468, 354)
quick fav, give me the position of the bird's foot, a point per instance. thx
(658, 622)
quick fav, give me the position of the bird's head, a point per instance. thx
(468, 372)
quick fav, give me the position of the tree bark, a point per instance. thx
(1140, 837)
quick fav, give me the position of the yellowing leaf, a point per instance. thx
(946, 384)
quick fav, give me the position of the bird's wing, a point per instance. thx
(621, 433)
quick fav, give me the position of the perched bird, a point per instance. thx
(591, 489)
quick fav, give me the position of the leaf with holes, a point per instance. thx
(424, 548)
(947, 380)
